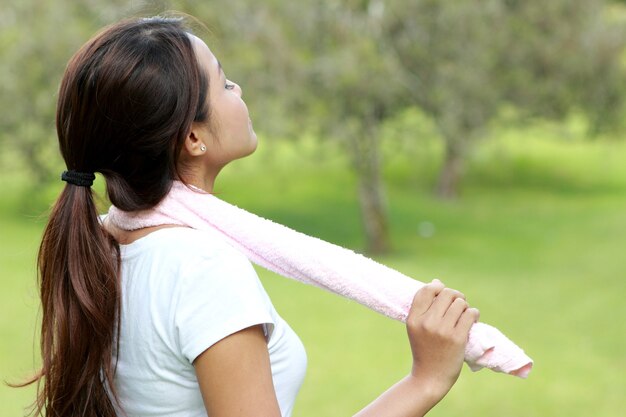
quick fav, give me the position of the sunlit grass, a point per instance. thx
(536, 242)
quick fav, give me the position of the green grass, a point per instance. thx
(536, 242)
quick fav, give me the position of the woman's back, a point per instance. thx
(182, 291)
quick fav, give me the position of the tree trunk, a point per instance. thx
(366, 159)
(451, 171)
(374, 216)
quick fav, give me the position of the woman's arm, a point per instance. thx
(236, 380)
(235, 376)
(438, 327)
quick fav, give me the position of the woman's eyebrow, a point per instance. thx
(219, 67)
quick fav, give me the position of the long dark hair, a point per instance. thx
(126, 104)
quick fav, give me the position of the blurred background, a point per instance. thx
(479, 142)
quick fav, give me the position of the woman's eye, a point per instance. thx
(229, 86)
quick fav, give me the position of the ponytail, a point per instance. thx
(126, 104)
(78, 266)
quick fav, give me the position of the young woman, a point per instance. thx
(166, 320)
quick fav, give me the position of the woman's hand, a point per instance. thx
(438, 326)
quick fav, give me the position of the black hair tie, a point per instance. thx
(82, 179)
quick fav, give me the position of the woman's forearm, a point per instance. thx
(409, 397)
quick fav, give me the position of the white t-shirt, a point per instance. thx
(182, 291)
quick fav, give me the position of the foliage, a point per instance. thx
(319, 64)
(469, 59)
(341, 70)
(536, 243)
(37, 38)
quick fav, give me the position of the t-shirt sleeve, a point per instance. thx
(218, 296)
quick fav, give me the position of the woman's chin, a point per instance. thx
(254, 142)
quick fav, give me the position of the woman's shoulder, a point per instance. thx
(182, 242)
(189, 258)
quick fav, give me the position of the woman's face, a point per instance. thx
(229, 131)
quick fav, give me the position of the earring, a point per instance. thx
(203, 148)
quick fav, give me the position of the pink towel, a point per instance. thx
(314, 261)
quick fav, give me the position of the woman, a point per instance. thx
(167, 320)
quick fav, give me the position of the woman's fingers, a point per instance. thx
(467, 320)
(442, 309)
(424, 298)
(454, 312)
(443, 301)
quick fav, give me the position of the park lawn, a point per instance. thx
(536, 242)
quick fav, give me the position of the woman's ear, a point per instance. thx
(196, 142)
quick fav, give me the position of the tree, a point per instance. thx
(339, 68)
(342, 67)
(351, 92)
(466, 59)
(320, 69)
